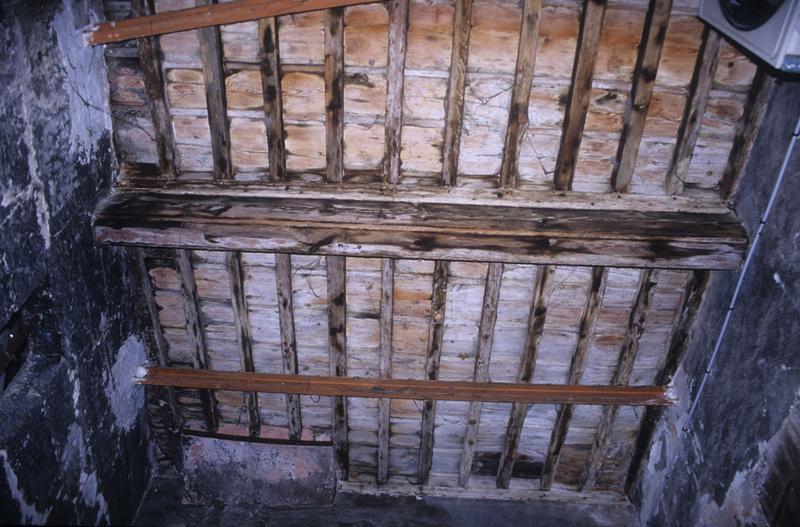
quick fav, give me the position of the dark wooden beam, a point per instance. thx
(258, 440)
(454, 103)
(283, 279)
(337, 346)
(754, 109)
(197, 335)
(575, 234)
(580, 90)
(385, 366)
(702, 81)
(206, 16)
(216, 99)
(162, 349)
(541, 298)
(334, 94)
(630, 346)
(644, 79)
(409, 389)
(273, 98)
(150, 60)
(398, 30)
(244, 334)
(678, 343)
(441, 274)
(577, 367)
(491, 296)
(520, 93)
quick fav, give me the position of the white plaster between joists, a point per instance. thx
(28, 511)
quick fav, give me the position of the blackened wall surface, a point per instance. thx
(73, 445)
(710, 470)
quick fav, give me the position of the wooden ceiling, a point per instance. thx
(479, 191)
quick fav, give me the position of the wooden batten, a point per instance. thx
(150, 60)
(433, 356)
(197, 336)
(389, 227)
(644, 79)
(636, 323)
(541, 298)
(337, 346)
(702, 81)
(678, 343)
(216, 100)
(586, 329)
(273, 96)
(334, 94)
(491, 296)
(283, 279)
(244, 334)
(398, 31)
(385, 366)
(521, 92)
(454, 103)
(754, 109)
(594, 11)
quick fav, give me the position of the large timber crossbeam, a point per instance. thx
(571, 230)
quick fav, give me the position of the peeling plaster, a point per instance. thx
(125, 397)
(28, 511)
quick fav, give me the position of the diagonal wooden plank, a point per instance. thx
(441, 274)
(580, 89)
(216, 101)
(541, 298)
(244, 334)
(162, 349)
(454, 103)
(273, 98)
(678, 343)
(577, 367)
(150, 60)
(283, 279)
(197, 336)
(491, 296)
(520, 93)
(699, 90)
(644, 79)
(334, 94)
(337, 349)
(385, 366)
(398, 30)
(648, 280)
(754, 109)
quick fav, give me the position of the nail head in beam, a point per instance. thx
(754, 109)
(334, 94)
(273, 99)
(398, 31)
(337, 345)
(520, 93)
(385, 366)
(216, 100)
(194, 327)
(491, 297)
(644, 79)
(580, 90)
(244, 334)
(454, 103)
(702, 81)
(441, 273)
(408, 389)
(648, 280)
(538, 313)
(206, 16)
(150, 61)
(586, 329)
(283, 279)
